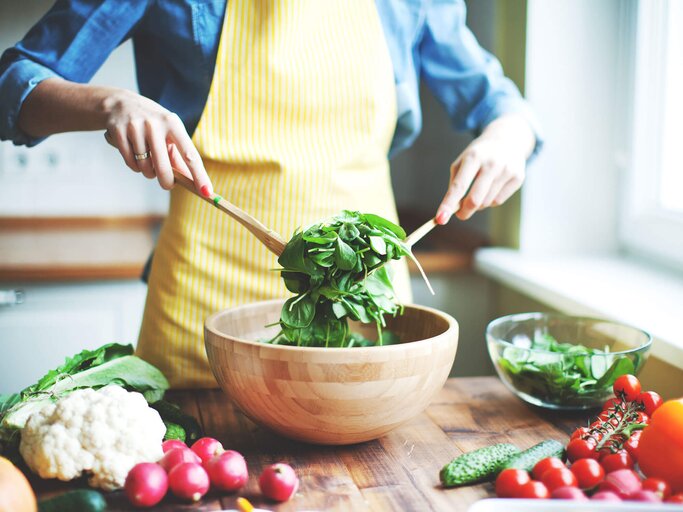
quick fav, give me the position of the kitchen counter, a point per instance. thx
(44, 249)
(397, 472)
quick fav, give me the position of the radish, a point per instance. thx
(176, 456)
(146, 484)
(568, 493)
(227, 471)
(207, 447)
(622, 482)
(172, 443)
(605, 496)
(278, 482)
(189, 481)
(645, 495)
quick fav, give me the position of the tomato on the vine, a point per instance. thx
(510, 481)
(615, 461)
(588, 472)
(611, 403)
(559, 477)
(544, 465)
(579, 433)
(627, 387)
(533, 490)
(658, 486)
(650, 401)
(631, 445)
(581, 449)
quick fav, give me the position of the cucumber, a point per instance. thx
(527, 459)
(81, 500)
(478, 465)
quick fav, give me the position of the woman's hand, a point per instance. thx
(134, 125)
(490, 169)
(137, 125)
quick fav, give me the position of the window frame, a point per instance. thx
(644, 227)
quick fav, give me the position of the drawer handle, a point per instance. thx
(11, 297)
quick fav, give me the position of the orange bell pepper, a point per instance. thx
(661, 445)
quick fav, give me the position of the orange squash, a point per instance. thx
(16, 494)
(660, 451)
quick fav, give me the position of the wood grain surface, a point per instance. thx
(398, 472)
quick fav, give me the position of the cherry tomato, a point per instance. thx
(611, 403)
(509, 482)
(676, 498)
(588, 472)
(615, 461)
(627, 387)
(544, 465)
(580, 433)
(559, 477)
(631, 445)
(650, 401)
(533, 490)
(581, 449)
(658, 486)
(641, 417)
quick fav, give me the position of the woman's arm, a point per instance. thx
(471, 85)
(491, 168)
(134, 125)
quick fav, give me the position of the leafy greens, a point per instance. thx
(564, 373)
(336, 269)
(109, 364)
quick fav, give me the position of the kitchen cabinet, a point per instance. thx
(53, 321)
(399, 471)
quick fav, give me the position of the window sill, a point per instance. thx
(604, 286)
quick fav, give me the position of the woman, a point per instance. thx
(289, 108)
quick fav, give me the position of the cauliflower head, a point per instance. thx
(103, 433)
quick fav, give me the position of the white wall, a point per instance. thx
(77, 173)
(579, 110)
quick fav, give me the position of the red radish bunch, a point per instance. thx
(190, 472)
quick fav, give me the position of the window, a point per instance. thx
(651, 219)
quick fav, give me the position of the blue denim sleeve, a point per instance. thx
(467, 79)
(71, 41)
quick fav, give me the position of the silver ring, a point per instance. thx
(141, 156)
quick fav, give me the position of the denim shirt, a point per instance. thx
(176, 42)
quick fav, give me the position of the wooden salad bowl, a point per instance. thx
(330, 396)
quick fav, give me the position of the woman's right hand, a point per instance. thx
(136, 124)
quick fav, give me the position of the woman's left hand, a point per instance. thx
(490, 170)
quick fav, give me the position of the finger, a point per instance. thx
(177, 161)
(117, 138)
(189, 154)
(497, 185)
(475, 197)
(136, 136)
(463, 172)
(506, 192)
(156, 138)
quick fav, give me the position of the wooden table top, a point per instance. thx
(399, 472)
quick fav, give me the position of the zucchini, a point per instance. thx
(527, 459)
(478, 465)
(81, 500)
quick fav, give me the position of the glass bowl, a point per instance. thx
(564, 362)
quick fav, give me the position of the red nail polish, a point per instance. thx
(205, 191)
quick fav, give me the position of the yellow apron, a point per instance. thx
(297, 127)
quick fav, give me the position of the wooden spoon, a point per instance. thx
(272, 240)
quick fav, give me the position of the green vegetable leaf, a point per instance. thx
(298, 312)
(344, 256)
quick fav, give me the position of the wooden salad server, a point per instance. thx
(272, 240)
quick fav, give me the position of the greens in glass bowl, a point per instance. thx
(564, 362)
